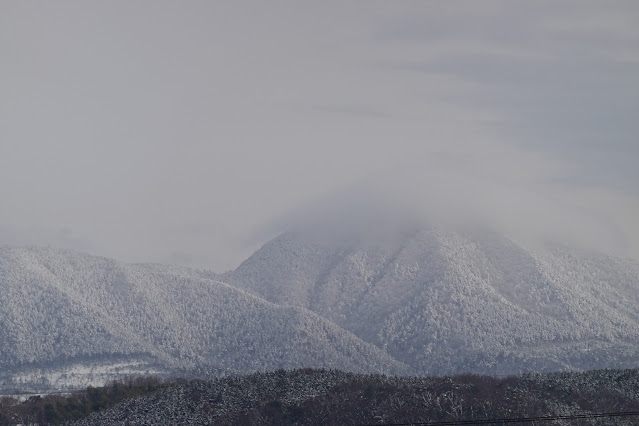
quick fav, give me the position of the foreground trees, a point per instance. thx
(326, 397)
(59, 408)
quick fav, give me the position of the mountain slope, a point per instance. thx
(59, 307)
(448, 302)
(411, 301)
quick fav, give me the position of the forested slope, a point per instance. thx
(312, 397)
(58, 307)
(450, 302)
(422, 301)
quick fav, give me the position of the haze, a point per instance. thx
(189, 132)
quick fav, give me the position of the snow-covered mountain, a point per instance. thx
(418, 300)
(59, 309)
(450, 302)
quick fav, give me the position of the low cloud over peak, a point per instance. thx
(132, 123)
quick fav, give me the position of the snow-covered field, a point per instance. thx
(73, 376)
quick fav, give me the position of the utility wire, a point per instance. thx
(514, 420)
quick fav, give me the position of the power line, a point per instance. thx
(513, 420)
(41, 392)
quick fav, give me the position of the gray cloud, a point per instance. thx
(63, 238)
(567, 90)
(579, 111)
(401, 200)
(354, 111)
(160, 132)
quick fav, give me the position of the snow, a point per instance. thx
(427, 302)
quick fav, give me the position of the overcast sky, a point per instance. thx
(182, 131)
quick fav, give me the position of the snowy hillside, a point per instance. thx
(417, 301)
(450, 302)
(59, 309)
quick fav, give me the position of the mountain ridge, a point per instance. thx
(61, 306)
(474, 292)
(421, 301)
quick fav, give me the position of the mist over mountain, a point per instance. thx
(203, 190)
(398, 200)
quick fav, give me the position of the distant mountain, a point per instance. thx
(448, 302)
(412, 301)
(60, 309)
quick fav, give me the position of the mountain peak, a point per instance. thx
(456, 300)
